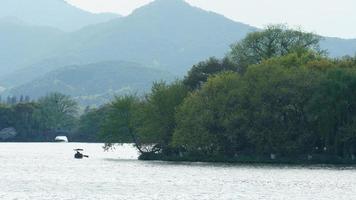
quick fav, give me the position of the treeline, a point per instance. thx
(12, 100)
(41, 120)
(276, 95)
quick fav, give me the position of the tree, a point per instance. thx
(6, 117)
(276, 108)
(119, 125)
(158, 114)
(200, 73)
(27, 99)
(57, 113)
(21, 99)
(8, 100)
(334, 109)
(91, 123)
(25, 122)
(206, 123)
(274, 41)
(13, 100)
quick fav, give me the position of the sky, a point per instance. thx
(336, 18)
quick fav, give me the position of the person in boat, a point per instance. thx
(78, 155)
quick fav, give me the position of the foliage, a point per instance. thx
(334, 109)
(285, 106)
(200, 73)
(40, 120)
(274, 41)
(281, 95)
(56, 113)
(158, 113)
(291, 101)
(90, 124)
(203, 120)
(118, 125)
(149, 123)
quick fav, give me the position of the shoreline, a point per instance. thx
(254, 160)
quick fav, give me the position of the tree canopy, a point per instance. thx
(274, 41)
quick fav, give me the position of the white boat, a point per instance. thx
(61, 139)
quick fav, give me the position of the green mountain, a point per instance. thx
(94, 83)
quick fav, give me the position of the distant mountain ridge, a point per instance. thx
(55, 13)
(165, 35)
(22, 43)
(94, 83)
(338, 47)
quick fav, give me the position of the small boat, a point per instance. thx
(61, 139)
(79, 155)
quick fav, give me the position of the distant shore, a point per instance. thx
(300, 160)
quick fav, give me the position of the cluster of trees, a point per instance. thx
(40, 120)
(275, 94)
(12, 100)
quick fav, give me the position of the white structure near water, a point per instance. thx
(61, 139)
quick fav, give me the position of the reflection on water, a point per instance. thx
(48, 171)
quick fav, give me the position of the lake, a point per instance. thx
(49, 171)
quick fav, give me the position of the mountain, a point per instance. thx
(338, 47)
(55, 13)
(165, 34)
(94, 83)
(21, 43)
(169, 35)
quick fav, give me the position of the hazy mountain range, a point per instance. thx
(41, 38)
(95, 83)
(54, 13)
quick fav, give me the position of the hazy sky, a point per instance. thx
(326, 17)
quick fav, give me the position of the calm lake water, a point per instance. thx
(48, 171)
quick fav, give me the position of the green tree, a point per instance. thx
(158, 113)
(277, 98)
(57, 113)
(200, 73)
(120, 123)
(6, 117)
(24, 121)
(90, 124)
(206, 121)
(274, 41)
(334, 109)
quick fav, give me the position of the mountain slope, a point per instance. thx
(55, 13)
(21, 43)
(94, 83)
(338, 47)
(169, 35)
(166, 34)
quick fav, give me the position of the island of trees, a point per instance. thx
(275, 97)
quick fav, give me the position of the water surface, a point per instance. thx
(48, 171)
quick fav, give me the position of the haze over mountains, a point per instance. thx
(164, 39)
(95, 83)
(55, 13)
